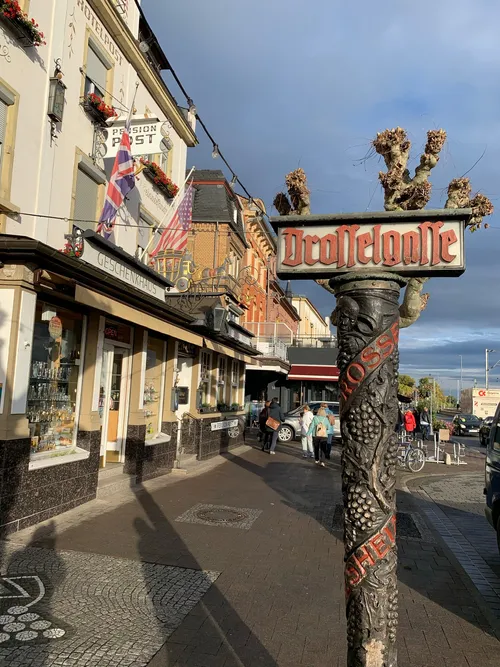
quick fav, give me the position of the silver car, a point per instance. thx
(290, 429)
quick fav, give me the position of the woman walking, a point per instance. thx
(276, 414)
(266, 437)
(410, 423)
(319, 432)
(305, 420)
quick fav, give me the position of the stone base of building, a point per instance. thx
(147, 461)
(200, 438)
(30, 496)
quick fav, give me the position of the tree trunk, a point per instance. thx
(367, 320)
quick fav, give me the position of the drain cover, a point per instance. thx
(221, 515)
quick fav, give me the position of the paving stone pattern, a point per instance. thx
(96, 610)
(457, 513)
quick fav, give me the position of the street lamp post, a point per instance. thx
(461, 375)
(487, 367)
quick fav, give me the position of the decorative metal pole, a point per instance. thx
(367, 320)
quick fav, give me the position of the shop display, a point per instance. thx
(152, 385)
(53, 386)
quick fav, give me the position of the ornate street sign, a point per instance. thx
(410, 243)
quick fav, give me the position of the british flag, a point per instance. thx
(120, 184)
(175, 234)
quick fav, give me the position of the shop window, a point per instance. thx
(205, 377)
(96, 73)
(221, 381)
(235, 380)
(53, 387)
(152, 386)
(86, 196)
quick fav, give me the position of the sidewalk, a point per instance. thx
(240, 566)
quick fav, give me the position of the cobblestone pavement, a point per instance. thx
(457, 513)
(279, 599)
(90, 609)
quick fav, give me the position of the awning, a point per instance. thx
(222, 349)
(129, 314)
(313, 373)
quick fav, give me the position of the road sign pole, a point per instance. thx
(367, 320)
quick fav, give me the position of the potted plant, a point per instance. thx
(26, 29)
(235, 407)
(156, 174)
(97, 108)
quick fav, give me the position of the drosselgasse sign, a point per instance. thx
(408, 243)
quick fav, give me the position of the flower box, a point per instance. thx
(159, 178)
(26, 30)
(97, 109)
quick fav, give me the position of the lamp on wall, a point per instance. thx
(57, 94)
(219, 318)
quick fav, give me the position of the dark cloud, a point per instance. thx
(280, 86)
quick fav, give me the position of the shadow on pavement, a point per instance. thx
(423, 567)
(213, 627)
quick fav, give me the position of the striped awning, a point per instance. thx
(313, 373)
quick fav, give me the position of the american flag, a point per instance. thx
(121, 182)
(175, 234)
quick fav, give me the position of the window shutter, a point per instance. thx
(96, 69)
(3, 121)
(86, 195)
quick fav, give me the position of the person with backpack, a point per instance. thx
(305, 420)
(319, 431)
(329, 439)
(273, 423)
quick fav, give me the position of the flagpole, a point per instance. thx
(169, 214)
(131, 110)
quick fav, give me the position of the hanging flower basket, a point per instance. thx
(97, 109)
(25, 29)
(157, 176)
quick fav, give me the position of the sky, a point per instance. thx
(283, 84)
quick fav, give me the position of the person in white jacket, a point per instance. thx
(305, 422)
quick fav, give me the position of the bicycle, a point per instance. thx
(411, 457)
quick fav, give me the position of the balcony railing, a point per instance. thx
(277, 349)
(315, 341)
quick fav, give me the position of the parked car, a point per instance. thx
(290, 429)
(466, 425)
(484, 431)
(492, 476)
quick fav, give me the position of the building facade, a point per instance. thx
(98, 364)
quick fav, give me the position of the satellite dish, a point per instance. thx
(144, 47)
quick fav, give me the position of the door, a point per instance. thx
(112, 403)
(185, 366)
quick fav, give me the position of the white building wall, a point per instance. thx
(44, 173)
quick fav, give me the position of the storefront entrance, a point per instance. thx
(113, 400)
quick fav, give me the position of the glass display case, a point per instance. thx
(152, 386)
(53, 386)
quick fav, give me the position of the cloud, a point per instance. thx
(282, 83)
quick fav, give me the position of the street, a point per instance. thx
(243, 565)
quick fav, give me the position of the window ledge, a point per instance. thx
(8, 207)
(160, 440)
(47, 459)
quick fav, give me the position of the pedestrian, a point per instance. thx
(305, 420)
(416, 415)
(319, 431)
(263, 417)
(409, 422)
(329, 439)
(401, 420)
(425, 423)
(274, 420)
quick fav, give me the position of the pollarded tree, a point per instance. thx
(402, 192)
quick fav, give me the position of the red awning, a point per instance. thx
(312, 373)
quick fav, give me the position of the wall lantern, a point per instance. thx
(220, 316)
(57, 92)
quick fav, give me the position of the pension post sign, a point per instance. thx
(145, 137)
(410, 243)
